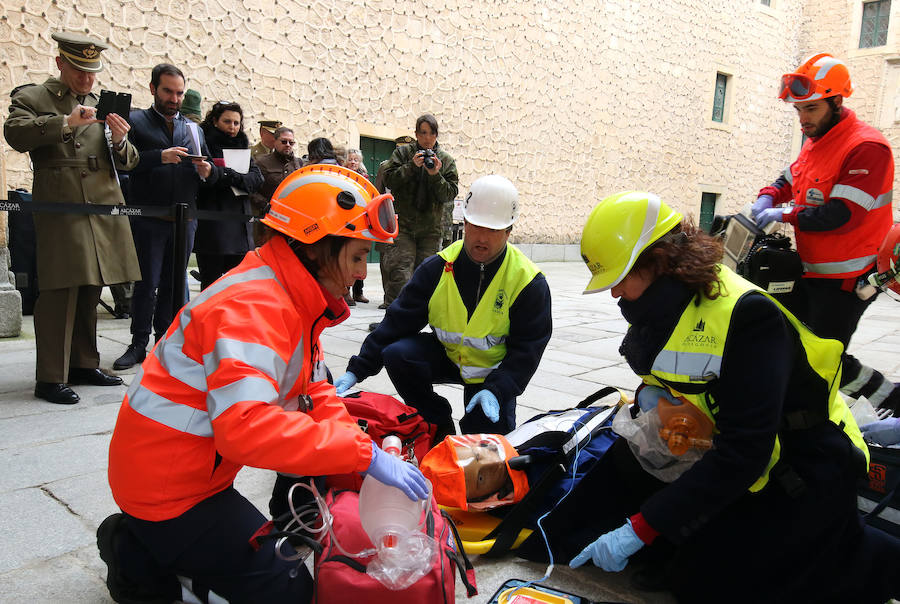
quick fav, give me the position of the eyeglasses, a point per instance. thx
(798, 86)
(285, 141)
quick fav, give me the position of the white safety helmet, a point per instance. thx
(492, 202)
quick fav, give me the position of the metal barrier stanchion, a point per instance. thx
(179, 257)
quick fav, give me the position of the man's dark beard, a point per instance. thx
(835, 118)
(161, 108)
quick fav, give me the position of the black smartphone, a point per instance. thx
(106, 105)
(123, 105)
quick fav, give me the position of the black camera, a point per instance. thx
(428, 158)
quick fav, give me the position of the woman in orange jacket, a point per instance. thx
(239, 380)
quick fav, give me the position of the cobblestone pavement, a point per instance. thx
(53, 488)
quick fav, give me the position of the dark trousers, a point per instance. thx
(209, 544)
(65, 331)
(213, 266)
(416, 363)
(152, 306)
(829, 312)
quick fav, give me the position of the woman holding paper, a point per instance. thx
(221, 244)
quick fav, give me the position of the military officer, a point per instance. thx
(75, 159)
(266, 142)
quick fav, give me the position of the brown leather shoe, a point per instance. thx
(59, 394)
(361, 298)
(349, 300)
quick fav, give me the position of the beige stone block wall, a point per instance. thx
(571, 100)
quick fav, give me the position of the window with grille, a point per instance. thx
(718, 113)
(875, 19)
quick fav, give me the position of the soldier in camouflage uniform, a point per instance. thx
(420, 196)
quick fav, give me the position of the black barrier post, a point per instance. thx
(179, 257)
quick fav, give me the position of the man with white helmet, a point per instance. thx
(840, 186)
(489, 309)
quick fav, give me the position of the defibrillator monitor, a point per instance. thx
(740, 234)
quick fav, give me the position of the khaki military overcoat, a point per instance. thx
(72, 250)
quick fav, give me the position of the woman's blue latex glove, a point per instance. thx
(763, 202)
(611, 551)
(648, 397)
(395, 472)
(345, 382)
(885, 432)
(489, 404)
(770, 215)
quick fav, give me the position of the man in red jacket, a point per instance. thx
(840, 186)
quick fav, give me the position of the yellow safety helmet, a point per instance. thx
(618, 229)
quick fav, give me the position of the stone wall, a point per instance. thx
(571, 100)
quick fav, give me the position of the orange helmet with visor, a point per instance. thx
(819, 77)
(324, 199)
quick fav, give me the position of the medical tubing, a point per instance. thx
(575, 461)
(327, 522)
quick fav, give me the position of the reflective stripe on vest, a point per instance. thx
(170, 354)
(861, 198)
(477, 346)
(845, 266)
(679, 366)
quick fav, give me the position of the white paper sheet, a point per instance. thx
(237, 159)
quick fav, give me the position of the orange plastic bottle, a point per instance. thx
(684, 426)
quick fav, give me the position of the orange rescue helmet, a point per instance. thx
(819, 77)
(324, 199)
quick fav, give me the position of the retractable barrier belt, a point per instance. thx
(117, 210)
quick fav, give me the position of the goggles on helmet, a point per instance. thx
(798, 86)
(380, 217)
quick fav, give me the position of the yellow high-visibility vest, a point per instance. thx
(692, 358)
(477, 346)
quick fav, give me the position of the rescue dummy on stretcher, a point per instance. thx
(471, 474)
(475, 475)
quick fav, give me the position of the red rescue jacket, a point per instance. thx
(836, 254)
(238, 380)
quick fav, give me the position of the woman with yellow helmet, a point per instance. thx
(768, 511)
(239, 379)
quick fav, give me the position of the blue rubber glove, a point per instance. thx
(345, 382)
(648, 397)
(885, 432)
(489, 404)
(763, 202)
(770, 215)
(611, 551)
(395, 472)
